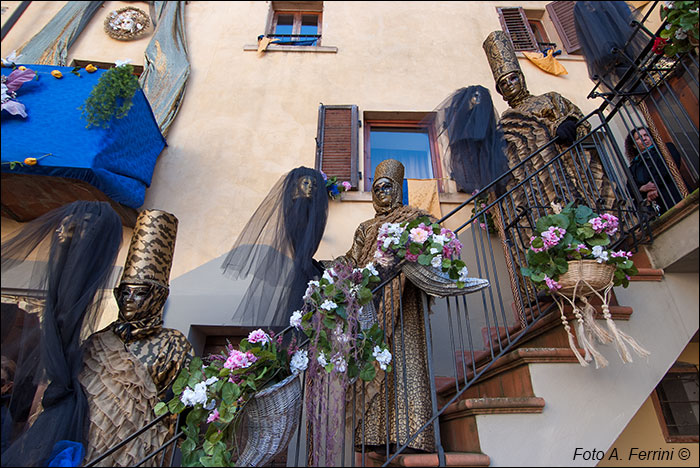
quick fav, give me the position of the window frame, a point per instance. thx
(296, 23)
(677, 368)
(425, 124)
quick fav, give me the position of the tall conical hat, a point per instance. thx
(501, 55)
(391, 169)
(151, 250)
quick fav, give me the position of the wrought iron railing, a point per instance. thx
(470, 333)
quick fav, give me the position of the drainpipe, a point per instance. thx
(13, 19)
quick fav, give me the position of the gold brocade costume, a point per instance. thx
(530, 123)
(129, 365)
(405, 336)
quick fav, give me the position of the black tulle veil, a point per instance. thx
(475, 150)
(75, 279)
(274, 252)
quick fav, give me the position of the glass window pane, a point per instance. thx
(285, 24)
(410, 146)
(309, 25)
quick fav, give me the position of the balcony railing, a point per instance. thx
(475, 330)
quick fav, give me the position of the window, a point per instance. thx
(296, 23)
(532, 30)
(676, 403)
(410, 141)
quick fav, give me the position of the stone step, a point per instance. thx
(427, 459)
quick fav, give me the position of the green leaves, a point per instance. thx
(111, 97)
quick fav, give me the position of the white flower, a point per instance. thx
(382, 357)
(310, 289)
(669, 5)
(295, 319)
(119, 63)
(299, 361)
(440, 239)
(192, 397)
(680, 34)
(327, 276)
(600, 254)
(370, 267)
(10, 60)
(211, 405)
(433, 251)
(322, 359)
(339, 363)
(328, 305)
(211, 380)
(463, 274)
(436, 262)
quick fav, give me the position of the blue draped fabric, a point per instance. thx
(118, 160)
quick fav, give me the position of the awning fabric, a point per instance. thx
(118, 160)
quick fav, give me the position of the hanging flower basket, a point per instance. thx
(585, 276)
(438, 283)
(126, 24)
(271, 417)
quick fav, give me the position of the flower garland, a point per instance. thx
(681, 32)
(423, 242)
(339, 350)
(217, 392)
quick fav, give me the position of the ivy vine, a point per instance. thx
(111, 97)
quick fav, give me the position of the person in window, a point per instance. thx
(531, 123)
(650, 172)
(130, 365)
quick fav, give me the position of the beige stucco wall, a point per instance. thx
(644, 433)
(247, 119)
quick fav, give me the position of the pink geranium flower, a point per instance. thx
(258, 336)
(213, 416)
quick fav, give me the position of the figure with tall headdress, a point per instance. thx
(70, 252)
(530, 123)
(412, 396)
(276, 247)
(129, 365)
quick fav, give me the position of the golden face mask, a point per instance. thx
(500, 54)
(389, 170)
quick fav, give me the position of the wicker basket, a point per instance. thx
(597, 275)
(271, 417)
(135, 17)
(436, 283)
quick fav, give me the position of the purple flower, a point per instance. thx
(258, 336)
(551, 284)
(213, 416)
(347, 185)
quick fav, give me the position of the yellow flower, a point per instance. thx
(30, 161)
(57, 74)
(22, 67)
(90, 68)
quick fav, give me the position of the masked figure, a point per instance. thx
(130, 364)
(276, 247)
(73, 249)
(530, 123)
(476, 148)
(407, 337)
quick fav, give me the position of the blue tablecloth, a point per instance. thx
(118, 160)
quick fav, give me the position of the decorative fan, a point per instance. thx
(126, 24)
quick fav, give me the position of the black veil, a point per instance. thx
(601, 27)
(276, 247)
(476, 148)
(73, 249)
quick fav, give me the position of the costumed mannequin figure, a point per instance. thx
(276, 247)
(131, 363)
(76, 246)
(530, 123)
(408, 337)
(476, 148)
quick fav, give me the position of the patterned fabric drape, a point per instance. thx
(167, 67)
(50, 45)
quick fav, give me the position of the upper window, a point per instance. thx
(533, 30)
(296, 23)
(411, 142)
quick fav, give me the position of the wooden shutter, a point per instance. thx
(514, 22)
(336, 143)
(562, 15)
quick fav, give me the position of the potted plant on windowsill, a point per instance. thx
(568, 258)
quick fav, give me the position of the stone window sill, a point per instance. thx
(291, 48)
(449, 197)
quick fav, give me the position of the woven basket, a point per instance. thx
(138, 18)
(597, 275)
(271, 417)
(436, 283)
